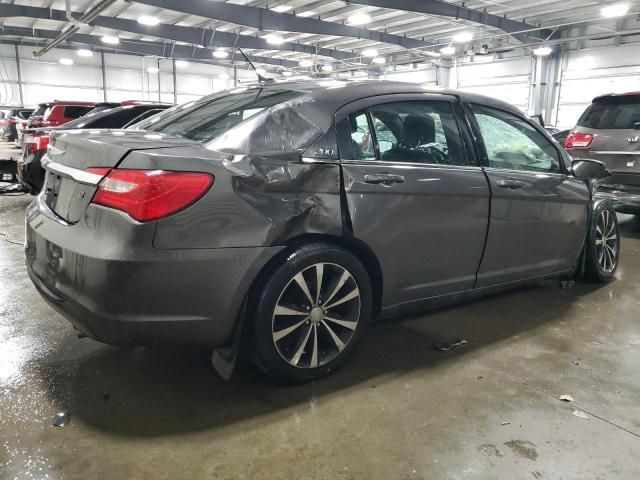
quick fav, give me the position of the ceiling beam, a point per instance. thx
(192, 35)
(140, 47)
(264, 19)
(445, 9)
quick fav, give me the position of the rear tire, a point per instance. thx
(302, 332)
(602, 248)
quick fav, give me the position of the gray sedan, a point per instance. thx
(284, 217)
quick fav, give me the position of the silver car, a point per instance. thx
(609, 131)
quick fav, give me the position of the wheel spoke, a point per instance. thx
(355, 293)
(612, 227)
(319, 275)
(345, 323)
(314, 355)
(599, 230)
(301, 346)
(280, 310)
(343, 279)
(302, 283)
(280, 334)
(335, 337)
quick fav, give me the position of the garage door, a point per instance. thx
(589, 73)
(507, 80)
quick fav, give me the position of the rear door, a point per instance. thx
(414, 192)
(539, 212)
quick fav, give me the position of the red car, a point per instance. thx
(58, 112)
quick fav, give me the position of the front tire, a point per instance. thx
(602, 250)
(310, 312)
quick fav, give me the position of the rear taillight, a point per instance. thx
(38, 144)
(150, 194)
(578, 140)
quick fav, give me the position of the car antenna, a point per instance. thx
(261, 79)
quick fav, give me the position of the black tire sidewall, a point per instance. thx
(593, 270)
(269, 292)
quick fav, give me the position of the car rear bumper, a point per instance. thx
(130, 293)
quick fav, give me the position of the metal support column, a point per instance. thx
(19, 76)
(104, 78)
(175, 81)
(544, 81)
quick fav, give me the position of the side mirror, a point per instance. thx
(589, 169)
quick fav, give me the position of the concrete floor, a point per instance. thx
(398, 410)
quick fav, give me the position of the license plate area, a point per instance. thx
(66, 197)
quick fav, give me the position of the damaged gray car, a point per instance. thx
(283, 217)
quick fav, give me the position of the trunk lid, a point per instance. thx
(68, 186)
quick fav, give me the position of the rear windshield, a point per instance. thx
(612, 113)
(75, 111)
(248, 121)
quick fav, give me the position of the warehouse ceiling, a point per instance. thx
(325, 35)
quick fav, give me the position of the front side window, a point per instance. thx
(354, 138)
(514, 144)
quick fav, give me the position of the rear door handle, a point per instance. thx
(510, 184)
(383, 179)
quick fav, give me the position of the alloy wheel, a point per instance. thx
(316, 315)
(606, 241)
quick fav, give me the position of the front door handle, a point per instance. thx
(510, 184)
(383, 179)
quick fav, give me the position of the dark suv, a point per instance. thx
(609, 131)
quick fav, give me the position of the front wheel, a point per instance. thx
(602, 250)
(310, 313)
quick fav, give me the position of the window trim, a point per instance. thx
(482, 148)
(457, 110)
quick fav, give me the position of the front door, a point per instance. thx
(414, 193)
(539, 212)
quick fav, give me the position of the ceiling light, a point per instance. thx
(223, 76)
(220, 54)
(110, 40)
(153, 70)
(273, 39)
(542, 51)
(359, 19)
(83, 52)
(617, 10)
(462, 37)
(448, 50)
(282, 8)
(379, 60)
(305, 63)
(287, 73)
(148, 20)
(370, 52)
(432, 54)
(65, 61)
(327, 68)
(182, 63)
(308, 13)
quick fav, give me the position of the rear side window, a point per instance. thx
(354, 138)
(612, 113)
(75, 111)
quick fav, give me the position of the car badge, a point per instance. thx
(635, 139)
(83, 194)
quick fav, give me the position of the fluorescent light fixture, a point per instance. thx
(542, 51)
(219, 53)
(223, 76)
(463, 37)
(448, 50)
(65, 61)
(282, 8)
(327, 68)
(305, 63)
(359, 19)
(83, 52)
(110, 40)
(153, 69)
(287, 73)
(148, 20)
(432, 54)
(370, 52)
(308, 13)
(273, 39)
(182, 63)
(379, 60)
(617, 10)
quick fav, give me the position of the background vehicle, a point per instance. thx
(609, 131)
(52, 114)
(109, 105)
(12, 118)
(261, 216)
(30, 172)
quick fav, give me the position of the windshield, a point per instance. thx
(612, 113)
(249, 121)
